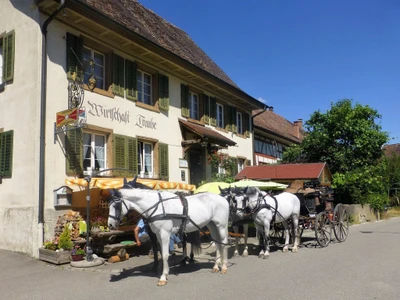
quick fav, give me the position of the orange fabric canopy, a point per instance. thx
(116, 183)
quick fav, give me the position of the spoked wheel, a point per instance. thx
(341, 223)
(323, 229)
(276, 233)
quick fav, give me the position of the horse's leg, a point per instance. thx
(266, 238)
(261, 241)
(154, 245)
(246, 235)
(163, 237)
(287, 237)
(296, 233)
(219, 234)
(184, 247)
(236, 230)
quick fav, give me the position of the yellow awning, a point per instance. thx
(116, 183)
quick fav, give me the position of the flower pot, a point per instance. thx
(77, 257)
(54, 257)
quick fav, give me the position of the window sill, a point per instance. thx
(147, 106)
(100, 91)
(241, 135)
(221, 129)
(195, 121)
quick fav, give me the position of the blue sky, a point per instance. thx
(300, 56)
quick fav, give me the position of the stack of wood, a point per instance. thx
(71, 219)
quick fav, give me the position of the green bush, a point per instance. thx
(64, 241)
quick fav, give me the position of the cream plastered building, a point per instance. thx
(146, 98)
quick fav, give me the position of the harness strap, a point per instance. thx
(185, 216)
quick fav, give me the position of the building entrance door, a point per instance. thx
(196, 166)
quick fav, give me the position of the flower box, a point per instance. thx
(55, 257)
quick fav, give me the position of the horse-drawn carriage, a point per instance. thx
(318, 213)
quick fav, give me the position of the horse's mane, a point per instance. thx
(252, 191)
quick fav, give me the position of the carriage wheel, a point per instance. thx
(341, 223)
(276, 233)
(323, 229)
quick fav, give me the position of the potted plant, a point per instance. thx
(57, 251)
(99, 224)
(77, 253)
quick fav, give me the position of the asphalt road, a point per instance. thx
(366, 266)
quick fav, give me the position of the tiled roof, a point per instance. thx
(274, 123)
(390, 150)
(208, 133)
(283, 171)
(137, 18)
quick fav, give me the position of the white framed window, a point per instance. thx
(94, 152)
(145, 159)
(220, 115)
(240, 164)
(194, 105)
(239, 122)
(144, 85)
(99, 66)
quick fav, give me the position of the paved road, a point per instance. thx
(365, 267)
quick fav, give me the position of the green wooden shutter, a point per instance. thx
(206, 114)
(73, 151)
(6, 153)
(131, 80)
(119, 153)
(233, 119)
(9, 54)
(228, 117)
(74, 57)
(163, 92)
(185, 101)
(132, 156)
(248, 163)
(246, 124)
(213, 111)
(163, 159)
(118, 75)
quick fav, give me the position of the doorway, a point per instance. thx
(196, 163)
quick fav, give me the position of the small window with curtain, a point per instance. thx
(145, 159)
(94, 152)
(220, 115)
(194, 105)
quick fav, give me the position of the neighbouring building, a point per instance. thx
(272, 134)
(287, 173)
(94, 85)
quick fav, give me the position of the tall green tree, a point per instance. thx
(349, 139)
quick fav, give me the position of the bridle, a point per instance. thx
(117, 201)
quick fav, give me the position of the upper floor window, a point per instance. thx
(239, 122)
(97, 66)
(145, 159)
(194, 105)
(7, 49)
(220, 115)
(94, 152)
(144, 87)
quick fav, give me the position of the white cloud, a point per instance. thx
(262, 100)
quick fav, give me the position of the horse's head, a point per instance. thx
(118, 209)
(239, 200)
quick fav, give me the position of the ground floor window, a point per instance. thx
(145, 159)
(94, 152)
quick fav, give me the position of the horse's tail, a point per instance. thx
(194, 239)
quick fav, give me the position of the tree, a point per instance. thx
(350, 141)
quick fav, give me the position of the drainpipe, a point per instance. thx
(252, 131)
(43, 98)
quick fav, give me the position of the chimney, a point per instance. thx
(271, 108)
(296, 131)
(300, 121)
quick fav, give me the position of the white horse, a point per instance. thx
(167, 213)
(236, 221)
(265, 210)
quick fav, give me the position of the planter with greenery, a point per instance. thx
(57, 251)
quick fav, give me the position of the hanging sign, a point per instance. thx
(67, 117)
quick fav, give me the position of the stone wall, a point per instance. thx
(361, 213)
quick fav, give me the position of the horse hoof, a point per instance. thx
(215, 270)
(161, 283)
(224, 271)
(284, 250)
(245, 254)
(265, 256)
(235, 254)
(295, 250)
